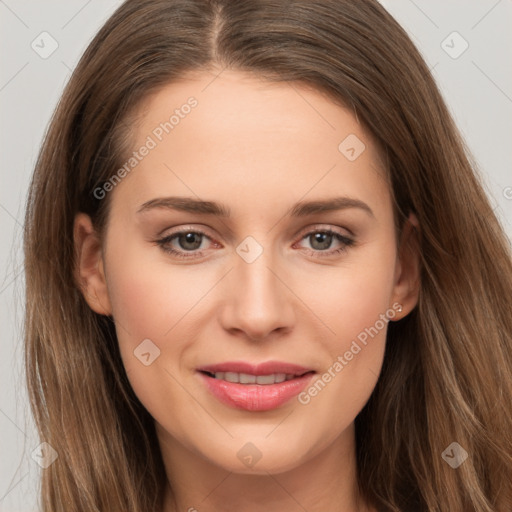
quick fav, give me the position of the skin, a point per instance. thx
(258, 148)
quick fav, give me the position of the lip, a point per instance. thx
(256, 397)
(266, 368)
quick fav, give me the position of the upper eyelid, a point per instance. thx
(325, 227)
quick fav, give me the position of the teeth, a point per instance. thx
(266, 379)
(246, 378)
(231, 377)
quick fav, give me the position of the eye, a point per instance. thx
(322, 240)
(188, 241)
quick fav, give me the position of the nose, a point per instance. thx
(258, 301)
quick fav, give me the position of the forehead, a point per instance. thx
(211, 134)
(234, 99)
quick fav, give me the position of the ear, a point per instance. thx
(89, 269)
(407, 271)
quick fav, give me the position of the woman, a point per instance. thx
(262, 273)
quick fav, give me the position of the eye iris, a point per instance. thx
(324, 239)
(194, 239)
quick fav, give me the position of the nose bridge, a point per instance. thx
(256, 279)
(258, 302)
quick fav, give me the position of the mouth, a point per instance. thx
(255, 387)
(247, 378)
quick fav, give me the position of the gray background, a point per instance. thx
(477, 86)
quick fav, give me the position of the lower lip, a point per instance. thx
(256, 397)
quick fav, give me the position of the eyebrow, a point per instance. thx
(300, 209)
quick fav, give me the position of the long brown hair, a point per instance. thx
(447, 373)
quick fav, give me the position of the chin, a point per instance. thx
(260, 457)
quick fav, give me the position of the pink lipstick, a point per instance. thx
(260, 387)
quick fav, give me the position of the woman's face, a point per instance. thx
(254, 235)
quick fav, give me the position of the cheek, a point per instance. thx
(353, 296)
(147, 302)
(142, 301)
(155, 301)
(150, 305)
(149, 298)
(356, 310)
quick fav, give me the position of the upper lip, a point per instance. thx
(266, 368)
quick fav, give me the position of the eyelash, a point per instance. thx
(346, 243)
